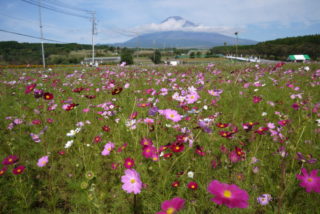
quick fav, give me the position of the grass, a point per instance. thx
(80, 180)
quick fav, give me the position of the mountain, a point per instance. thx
(178, 32)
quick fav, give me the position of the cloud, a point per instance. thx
(183, 25)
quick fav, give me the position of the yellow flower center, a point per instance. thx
(227, 194)
(10, 160)
(309, 179)
(19, 170)
(129, 163)
(172, 115)
(170, 210)
(132, 181)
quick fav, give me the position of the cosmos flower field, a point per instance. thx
(216, 138)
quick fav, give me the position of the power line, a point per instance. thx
(63, 5)
(35, 37)
(48, 7)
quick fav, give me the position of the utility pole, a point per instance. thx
(93, 33)
(41, 34)
(236, 33)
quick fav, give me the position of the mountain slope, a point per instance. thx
(178, 32)
(182, 39)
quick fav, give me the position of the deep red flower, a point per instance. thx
(181, 138)
(222, 125)
(29, 88)
(240, 152)
(18, 170)
(283, 122)
(97, 139)
(3, 170)
(133, 115)
(225, 134)
(62, 152)
(257, 99)
(47, 96)
(144, 105)
(71, 106)
(192, 185)
(175, 184)
(128, 163)
(106, 128)
(177, 147)
(248, 126)
(121, 148)
(262, 130)
(90, 96)
(78, 90)
(116, 91)
(11, 159)
(167, 155)
(199, 150)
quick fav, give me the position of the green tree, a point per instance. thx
(126, 56)
(192, 55)
(156, 57)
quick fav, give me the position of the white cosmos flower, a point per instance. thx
(68, 144)
(190, 174)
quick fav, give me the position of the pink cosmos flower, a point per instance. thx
(192, 97)
(309, 181)
(131, 181)
(230, 195)
(86, 110)
(43, 161)
(107, 149)
(172, 206)
(215, 92)
(171, 114)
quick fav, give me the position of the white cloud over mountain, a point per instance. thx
(180, 24)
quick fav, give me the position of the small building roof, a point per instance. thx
(299, 57)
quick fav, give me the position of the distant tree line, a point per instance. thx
(278, 49)
(12, 52)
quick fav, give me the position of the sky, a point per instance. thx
(121, 20)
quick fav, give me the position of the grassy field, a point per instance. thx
(216, 138)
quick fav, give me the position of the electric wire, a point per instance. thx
(35, 37)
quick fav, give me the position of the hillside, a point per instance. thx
(278, 49)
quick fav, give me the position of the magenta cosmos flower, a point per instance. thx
(131, 181)
(11, 159)
(171, 114)
(309, 181)
(43, 161)
(128, 163)
(18, 170)
(230, 195)
(172, 206)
